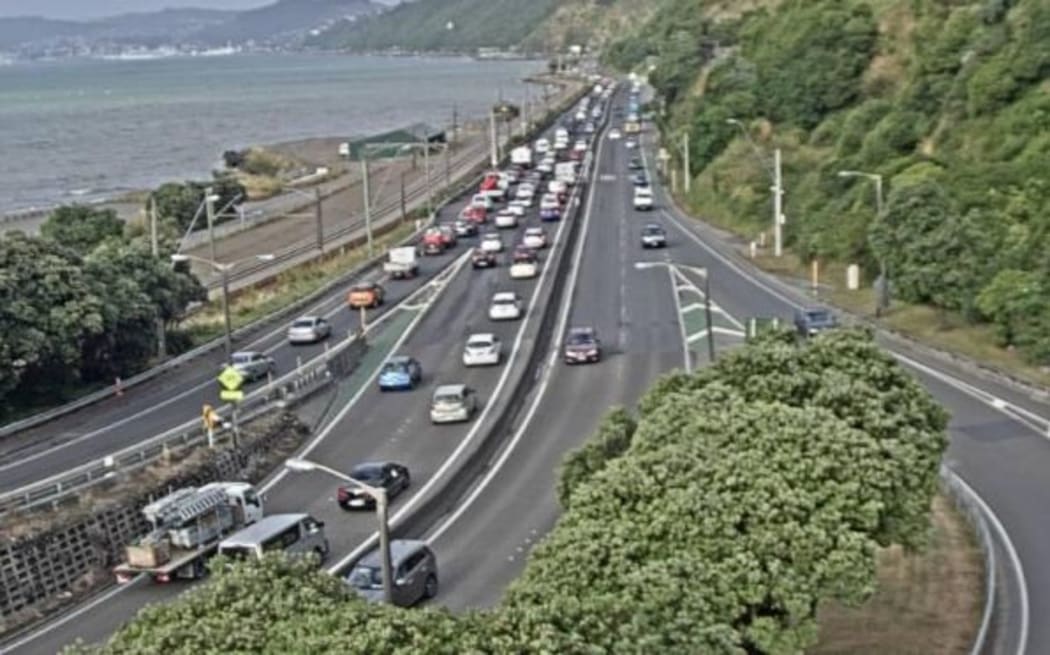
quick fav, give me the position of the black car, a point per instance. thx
(640, 180)
(391, 476)
(582, 346)
(810, 322)
(634, 164)
(482, 258)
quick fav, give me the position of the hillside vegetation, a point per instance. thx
(948, 101)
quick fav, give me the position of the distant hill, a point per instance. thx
(442, 25)
(285, 22)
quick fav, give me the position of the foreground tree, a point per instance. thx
(82, 228)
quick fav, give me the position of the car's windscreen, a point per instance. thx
(303, 323)
(237, 552)
(366, 577)
(579, 338)
(819, 317)
(479, 343)
(367, 473)
(448, 399)
(395, 367)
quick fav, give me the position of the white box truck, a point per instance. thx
(521, 156)
(402, 263)
(187, 526)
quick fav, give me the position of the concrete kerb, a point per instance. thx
(460, 478)
(240, 333)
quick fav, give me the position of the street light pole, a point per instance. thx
(685, 162)
(209, 209)
(426, 168)
(707, 314)
(225, 270)
(382, 508)
(882, 291)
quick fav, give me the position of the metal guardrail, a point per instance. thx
(98, 396)
(964, 501)
(280, 392)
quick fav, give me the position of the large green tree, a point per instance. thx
(183, 201)
(81, 228)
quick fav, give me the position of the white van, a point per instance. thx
(294, 534)
(643, 198)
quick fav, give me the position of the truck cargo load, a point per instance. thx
(187, 526)
(402, 262)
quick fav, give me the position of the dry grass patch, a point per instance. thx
(926, 603)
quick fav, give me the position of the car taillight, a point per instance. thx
(342, 494)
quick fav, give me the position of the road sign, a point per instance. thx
(231, 379)
(231, 395)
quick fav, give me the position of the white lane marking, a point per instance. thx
(370, 541)
(1015, 561)
(323, 434)
(66, 618)
(538, 398)
(51, 627)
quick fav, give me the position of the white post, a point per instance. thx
(366, 192)
(426, 167)
(162, 346)
(778, 199)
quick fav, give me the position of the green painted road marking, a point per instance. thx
(380, 345)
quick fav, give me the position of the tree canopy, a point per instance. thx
(714, 521)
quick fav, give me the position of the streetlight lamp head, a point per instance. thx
(733, 121)
(847, 173)
(297, 465)
(179, 257)
(212, 198)
(641, 266)
(268, 257)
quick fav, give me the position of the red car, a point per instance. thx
(434, 241)
(475, 214)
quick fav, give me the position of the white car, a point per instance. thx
(516, 208)
(643, 198)
(614, 134)
(542, 146)
(491, 242)
(506, 306)
(506, 219)
(580, 145)
(631, 144)
(523, 203)
(545, 166)
(535, 237)
(525, 266)
(482, 350)
(557, 186)
(525, 191)
(483, 200)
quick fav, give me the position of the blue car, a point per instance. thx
(550, 214)
(399, 374)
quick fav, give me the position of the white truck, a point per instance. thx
(402, 262)
(187, 526)
(566, 172)
(521, 156)
(643, 198)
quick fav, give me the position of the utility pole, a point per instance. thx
(225, 270)
(455, 123)
(426, 166)
(404, 212)
(320, 219)
(883, 301)
(448, 168)
(162, 346)
(525, 113)
(368, 204)
(209, 209)
(492, 137)
(685, 162)
(778, 200)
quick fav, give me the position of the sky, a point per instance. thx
(87, 9)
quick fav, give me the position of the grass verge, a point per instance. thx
(926, 603)
(252, 304)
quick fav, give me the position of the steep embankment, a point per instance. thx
(948, 102)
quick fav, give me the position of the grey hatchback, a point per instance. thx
(252, 364)
(414, 568)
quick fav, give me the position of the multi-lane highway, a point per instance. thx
(999, 443)
(999, 435)
(376, 425)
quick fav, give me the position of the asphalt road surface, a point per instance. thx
(376, 425)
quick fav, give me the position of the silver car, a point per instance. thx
(309, 329)
(414, 572)
(453, 403)
(252, 364)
